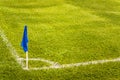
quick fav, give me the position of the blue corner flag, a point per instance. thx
(25, 40)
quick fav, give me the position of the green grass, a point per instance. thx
(10, 70)
(64, 31)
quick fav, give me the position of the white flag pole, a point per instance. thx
(27, 60)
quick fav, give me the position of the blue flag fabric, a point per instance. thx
(25, 40)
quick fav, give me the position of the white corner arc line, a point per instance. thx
(77, 64)
(41, 59)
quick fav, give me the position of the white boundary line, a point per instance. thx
(54, 65)
(9, 45)
(77, 64)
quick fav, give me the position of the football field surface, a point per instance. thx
(61, 32)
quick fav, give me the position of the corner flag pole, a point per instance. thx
(24, 45)
(27, 60)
